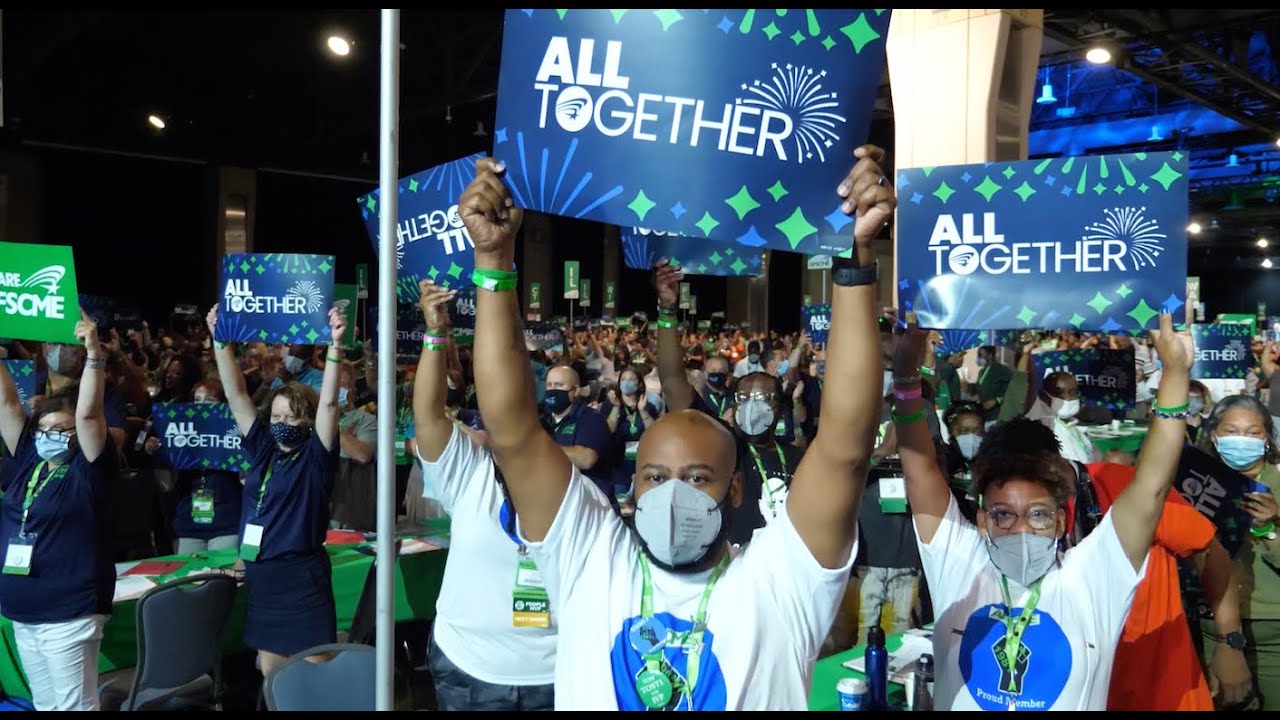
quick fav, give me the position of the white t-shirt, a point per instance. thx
(1084, 600)
(473, 624)
(766, 620)
(745, 367)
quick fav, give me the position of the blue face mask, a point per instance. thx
(1240, 452)
(628, 387)
(783, 367)
(54, 448)
(342, 396)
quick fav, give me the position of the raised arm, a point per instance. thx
(536, 470)
(928, 493)
(327, 412)
(242, 407)
(677, 393)
(12, 416)
(431, 428)
(824, 495)
(91, 423)
(1136, 512)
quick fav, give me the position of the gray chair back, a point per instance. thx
(180, 627)
(347, 682)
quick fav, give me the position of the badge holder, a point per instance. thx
(17, 560)
(893, 495)
(252, 543)
(530, 606)
(202, 507)
(632, 446)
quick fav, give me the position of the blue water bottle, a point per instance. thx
(877, 666)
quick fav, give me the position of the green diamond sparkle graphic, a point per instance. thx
(668, 18)
(312, 335)
(796, 227)
(1024, 191)
(1099, 303)
(1142, 313)
(1008, 172)
(1076, 319)
(944, 192)
(454, 271)
(1099, 188)
(707, 223)
(413, 186)
(988, 188)
(828, 43)
(1027, 315)
(776, 190)
(737, 266)
(641, 205)
(771, 30)
(715, 258)
(1166, 176)
(860, 32)
(1123, 291)
(742, 202)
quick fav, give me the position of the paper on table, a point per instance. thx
(155, 567)
(902, 662)
(132, 587)
(413, 547)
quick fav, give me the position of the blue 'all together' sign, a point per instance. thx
(275, 298)
(1223, 350)
(431, 240)
(734, 124)
(642, 247)
(1106, 377)
(817, 320)
(23, 373)
(198, 436)
(1093, 243)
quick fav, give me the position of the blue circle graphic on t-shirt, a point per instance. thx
(1042, 669)
(628, 663)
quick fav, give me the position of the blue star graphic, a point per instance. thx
(677, 210)
(725, 25)
(500, 136)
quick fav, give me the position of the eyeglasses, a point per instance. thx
(744, 397)
(1037, 517)
(58, 434)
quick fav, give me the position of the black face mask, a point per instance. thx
(454, 397)
(716, 379)
(557, 401)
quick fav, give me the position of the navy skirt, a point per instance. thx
(290, 604)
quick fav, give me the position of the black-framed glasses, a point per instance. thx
(58, 434)
(1039, 518)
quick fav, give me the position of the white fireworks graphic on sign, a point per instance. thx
(309, 292)
(1236, 349)
(797, 91)
(399, 253)
(1141, 236)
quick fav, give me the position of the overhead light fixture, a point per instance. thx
(1098, 55)
(339, 45)
(1046, 91)
(1233, 160)
(479, 132)
(1266, 263)
(1262, 242)
(448, 114)
(1194, 228)
(156, 122)
(1156, 135)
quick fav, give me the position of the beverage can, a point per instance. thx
(852, 693)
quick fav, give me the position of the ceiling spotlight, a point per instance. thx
(1266, 263)
(339, 46)
(156, 122)
(479, 131)
(1194, 228)
(1262, 242)
(1098, 55)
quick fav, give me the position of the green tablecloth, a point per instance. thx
(418, 580)
(1129, 440)
(831, 670)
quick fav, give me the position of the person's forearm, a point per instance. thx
(92, 387)
(1220, 590)
(1015, 398)
(849, 403)
(504, 376)
(675, 383)
(355, 449)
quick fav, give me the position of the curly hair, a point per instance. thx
(1238, 402)
(1023, 449)
(963, 407)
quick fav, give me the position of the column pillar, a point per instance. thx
(535, 264)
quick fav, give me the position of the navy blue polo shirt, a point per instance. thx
(295, 508)
(584, 426)
(718, 402)
(227, 501)
(113, 408)
(71, 572)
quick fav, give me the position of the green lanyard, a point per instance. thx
(1013, 630)
(34, 490)
(691, 641)
(262, 490)
(782, 460)
(635, 416)
(720, 401)
(983, 375)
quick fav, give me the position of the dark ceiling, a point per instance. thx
(260, 89)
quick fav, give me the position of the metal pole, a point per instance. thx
(825, 280)
(388, 176)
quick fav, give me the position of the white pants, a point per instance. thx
(61, 662)
(187, 546)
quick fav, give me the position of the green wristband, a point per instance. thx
(666, 323)
(1263, 532)
(914, 417)
(494, 280)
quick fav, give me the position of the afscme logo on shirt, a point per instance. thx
(35, 296)
(785, 115)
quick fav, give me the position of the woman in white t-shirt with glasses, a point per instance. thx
(1020, 627)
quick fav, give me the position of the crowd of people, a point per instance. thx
(659, 518)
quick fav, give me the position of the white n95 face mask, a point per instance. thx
(678, 524)
(295, 365)
(1066, 409)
